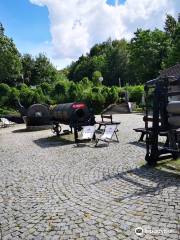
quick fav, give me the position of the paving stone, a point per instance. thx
(51, 190)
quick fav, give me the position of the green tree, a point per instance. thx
(28, 64)
(43, 70)
(82, 68)
(170, 25)
(60, 91)
(1, 30)
(148, 49)
(174, 53)
(10, 61)
(172, 28)
(116, 63)
(101, 49)
(110, 58)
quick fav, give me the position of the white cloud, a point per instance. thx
(78, 24)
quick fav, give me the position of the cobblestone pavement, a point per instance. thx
(52, 190)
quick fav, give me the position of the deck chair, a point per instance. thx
(3, 122)
(88, 133)
(109, 132)
(6, 122)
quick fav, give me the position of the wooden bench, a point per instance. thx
(106, 117)
(143, 132)
(104, 123)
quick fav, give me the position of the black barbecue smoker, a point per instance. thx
(76, 115)
(162, 118)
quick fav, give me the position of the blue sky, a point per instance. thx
(112, 2)
(26, 23)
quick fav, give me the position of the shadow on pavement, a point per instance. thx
(65, 139)
(138, 144)
(53, 142)
(24, 130)
(146, 180)
(143, 144)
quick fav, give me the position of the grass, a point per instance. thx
(139, 110)
(7, 111)
(166, 165)
(173, 165)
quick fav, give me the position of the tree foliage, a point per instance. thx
(148, 49)
(43, 70)
(4, 93)
(172, 28)
(109, 58)
(28, 64)
(10, 61)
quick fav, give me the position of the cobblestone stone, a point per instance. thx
(52, 190)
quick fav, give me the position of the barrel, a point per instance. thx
(38, 115)
(174, 88)
(173, 107)
(71, 113)
(174, 121)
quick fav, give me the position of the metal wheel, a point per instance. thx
(56, 129)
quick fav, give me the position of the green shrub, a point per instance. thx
(13, 97)
(94, 100)
(95, 77)
(135, 93)
(7, 111)
(5, 91)
(95, 90)
(96, 96)
(60, 88)
(46, 88)
(97, 102)
(86, 83)
(73, 93)
(112, 96)
(28, 96)
(59, 92)
(87, 97)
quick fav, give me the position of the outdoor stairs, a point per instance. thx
(117, 108)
